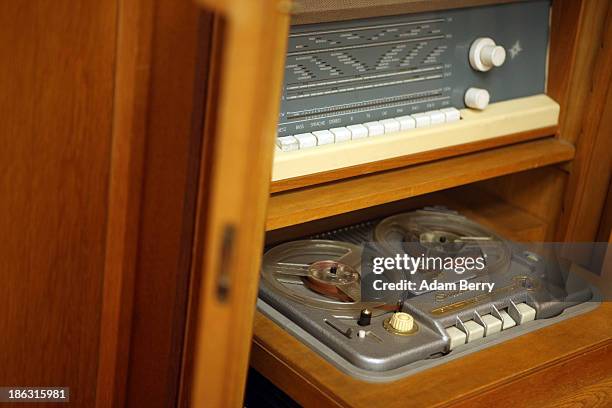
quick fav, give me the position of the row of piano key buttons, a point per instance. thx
(369, 129)
(522, 312)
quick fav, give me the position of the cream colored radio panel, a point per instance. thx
(499, 119)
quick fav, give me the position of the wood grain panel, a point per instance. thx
(537, 192)
(307, 204)
(129, 112)
(210, 110)
(591, 171)
(173, 124)
(582, 380)
(595, 395)
(576, 38)
(509, 221)
(605, 225)
(161, 71)
(564, 29)
(56, 101)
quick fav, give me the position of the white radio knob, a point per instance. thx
(476, 98)
(485, 54)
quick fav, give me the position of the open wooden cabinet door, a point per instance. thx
(239, 132)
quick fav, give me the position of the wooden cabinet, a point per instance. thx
(531, 187)
(136, 149)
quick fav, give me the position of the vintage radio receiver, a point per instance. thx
(409, 78)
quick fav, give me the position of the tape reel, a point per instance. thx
(319, 273)
(441, 234)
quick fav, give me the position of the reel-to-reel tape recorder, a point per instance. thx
(380, 326)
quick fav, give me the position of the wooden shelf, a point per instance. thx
(325, 200)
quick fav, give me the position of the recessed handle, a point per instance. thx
(223, 281)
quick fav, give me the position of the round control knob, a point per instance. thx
(476, 98)
(401, 322)
(485, 54)
(365, 317)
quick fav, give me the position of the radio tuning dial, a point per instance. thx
(485, 54)
(476, 98)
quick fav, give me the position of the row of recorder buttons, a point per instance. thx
(471, 330)
(369, 129)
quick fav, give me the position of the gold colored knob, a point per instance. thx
(401, 322)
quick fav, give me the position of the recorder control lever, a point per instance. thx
(345, 331)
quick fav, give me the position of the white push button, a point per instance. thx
(507, 321)
(375, 128)
(523, 313)
(492, 324)
(391, 125)
(422, 119)
(406, 122)
(341, 134)
(306, 140)
(451, 114)
(358, 131)
(474, 330)
(287, 143)
(457, 337)
(324, 137)
(436, 117)
(477, 98)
